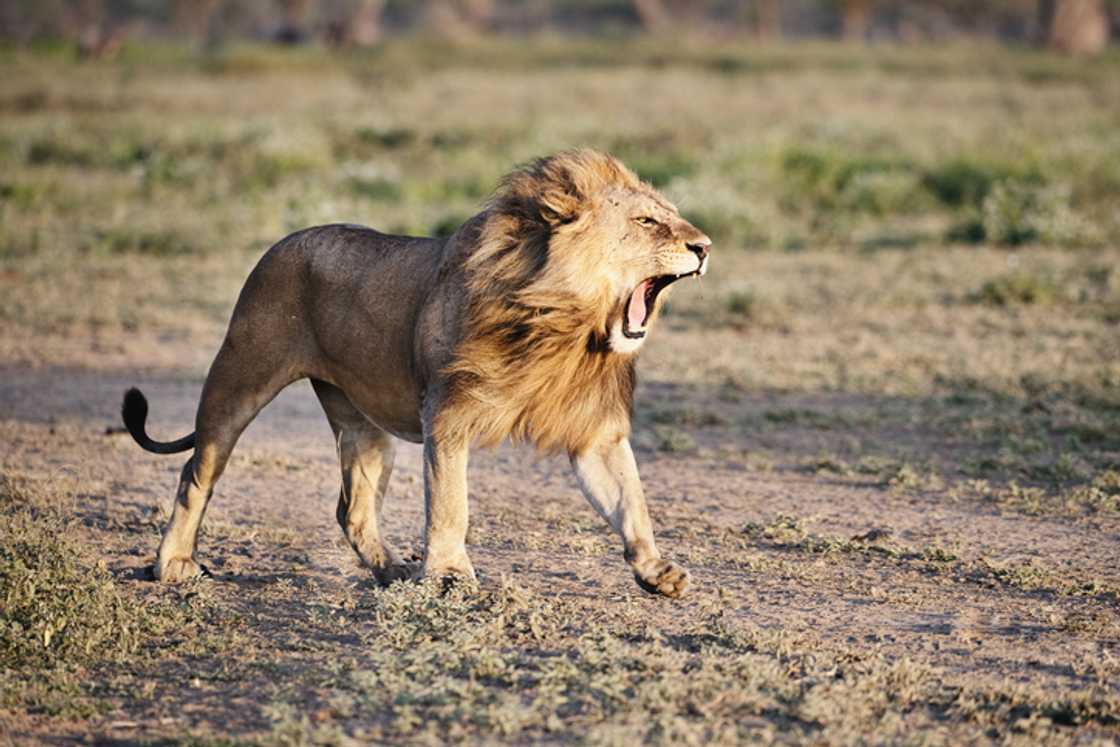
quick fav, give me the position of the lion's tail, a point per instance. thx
(134, 411)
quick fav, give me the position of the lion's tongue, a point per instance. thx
(636, 310)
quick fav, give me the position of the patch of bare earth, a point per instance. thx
(829, 602)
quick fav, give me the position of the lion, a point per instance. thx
(523, 324)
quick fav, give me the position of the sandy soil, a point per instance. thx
(983, 595)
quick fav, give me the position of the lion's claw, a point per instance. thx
(665, 578)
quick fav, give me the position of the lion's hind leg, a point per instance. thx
(233, 395)
(365, 453)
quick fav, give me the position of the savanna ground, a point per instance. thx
(884, 432)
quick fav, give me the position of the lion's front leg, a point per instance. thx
(445, 508)
(608, 476)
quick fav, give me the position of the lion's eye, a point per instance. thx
(645, 220)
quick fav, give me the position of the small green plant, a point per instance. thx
(964, 182)
(741, 303)
(1023, 287)
(671, 439)
(133, 240)
(375, 188)
(1012, 212)
(389, 138)
(57, 608)
(45, 151)
(728, 226)
(447, 224)
(835, 179)
(882, 192)
(61, 613)
(659, 168)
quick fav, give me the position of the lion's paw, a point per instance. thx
(455, 581)
(452, 575)
(177, 570)
(663, 577)
(406, 570)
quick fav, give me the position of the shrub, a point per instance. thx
(1011, 214)
(390, 138)
(741, 303)
(1018, 288)
(1016, 212)
(881, 192)
(375, 188)
(961, 182)
(55, 607)
(968, 229)
(673, 440)
(659, 168)
(853, 182)
(727, 227)
(129, 240)
(46, 151)
(447, 224)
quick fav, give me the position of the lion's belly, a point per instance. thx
(391, 405)
(377, 379)
(363, 292)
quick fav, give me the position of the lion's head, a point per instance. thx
(596, 232)
(566, 270)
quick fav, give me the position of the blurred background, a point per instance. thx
(887, 420)
(99, 27)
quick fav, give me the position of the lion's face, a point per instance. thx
(637, 245)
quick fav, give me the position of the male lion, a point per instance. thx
(525, 324)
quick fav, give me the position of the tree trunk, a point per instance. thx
(93, 31)
(192, 17)
(1043, 21)
(770, 19)
(670, 15)
(477, 13)
(86, 25)
(457, 17)
(364, 27)
(1079, 27)
(295, 13)
(857, 19)
(652, 14)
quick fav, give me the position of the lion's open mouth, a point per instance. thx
(641, 303)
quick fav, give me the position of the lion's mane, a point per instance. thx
(533, 362)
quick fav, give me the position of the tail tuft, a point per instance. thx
(134, 412)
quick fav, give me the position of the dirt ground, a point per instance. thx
(998, 600)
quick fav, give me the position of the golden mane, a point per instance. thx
(533, 363)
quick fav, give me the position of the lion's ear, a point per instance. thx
(560, 198)
(559, 209)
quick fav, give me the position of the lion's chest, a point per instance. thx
(561, 404)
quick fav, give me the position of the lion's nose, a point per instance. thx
(700, 247)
